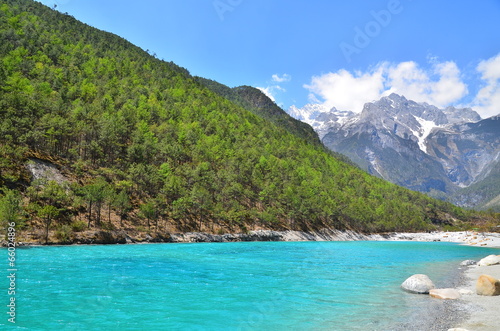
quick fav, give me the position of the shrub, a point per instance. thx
(78, 226)
(64, 233)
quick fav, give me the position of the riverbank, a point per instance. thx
(103, 237)
(108, 237)
(483, 310)
(473, 312)
(471, 238)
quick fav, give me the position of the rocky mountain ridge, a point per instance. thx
(416, 145)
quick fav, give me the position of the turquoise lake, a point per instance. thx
(227, 286)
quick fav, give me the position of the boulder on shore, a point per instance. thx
(488, 285)
(420, 284)
(467, 263)
(489, 260)
(445, 293)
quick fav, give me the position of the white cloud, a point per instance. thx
(418, 84)
(440, 85)
(267, 91)
(487, 100)
(273, 89)
(283, 78)
(346, 91)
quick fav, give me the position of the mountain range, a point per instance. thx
(447, 153)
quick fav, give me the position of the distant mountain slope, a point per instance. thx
(258, 103)
(483, 194)
(467, 151)
(144, 147)
(437, 151)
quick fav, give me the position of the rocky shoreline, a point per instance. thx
(102, 237)
(470, 304)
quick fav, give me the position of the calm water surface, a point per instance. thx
(226, 286)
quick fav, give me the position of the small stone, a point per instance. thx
(467, 263)
(420, 284)
(489, 260)
(488, 285)
(445, 293)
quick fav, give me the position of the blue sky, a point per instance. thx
(336, 53)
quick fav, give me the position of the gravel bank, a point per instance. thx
(484, 310)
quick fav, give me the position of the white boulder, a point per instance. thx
(489, 260)
(420, 284)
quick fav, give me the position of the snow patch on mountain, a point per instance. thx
(425, 129)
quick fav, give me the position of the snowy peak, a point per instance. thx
(404, 118)
(321, 118)
(461, 115)
(308, 113)
(394, 113)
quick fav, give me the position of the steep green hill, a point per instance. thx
(96, 133)
(258, 103)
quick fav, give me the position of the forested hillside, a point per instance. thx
(252, 99)
(143, 146)
(258, 103)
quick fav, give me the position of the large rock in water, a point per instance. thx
(488, 285)
(489, 260)
(420, 284)
(445, 293)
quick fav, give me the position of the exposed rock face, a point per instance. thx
(417, 145)
(445, 294)
(420, 284)
(488, 285)
(42, 170)
(103, 237)
(489, 260)
(269, 235)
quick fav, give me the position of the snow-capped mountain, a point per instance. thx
(320, 117)
(417, 145)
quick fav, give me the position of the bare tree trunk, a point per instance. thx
(48, 221)
(90, 212)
